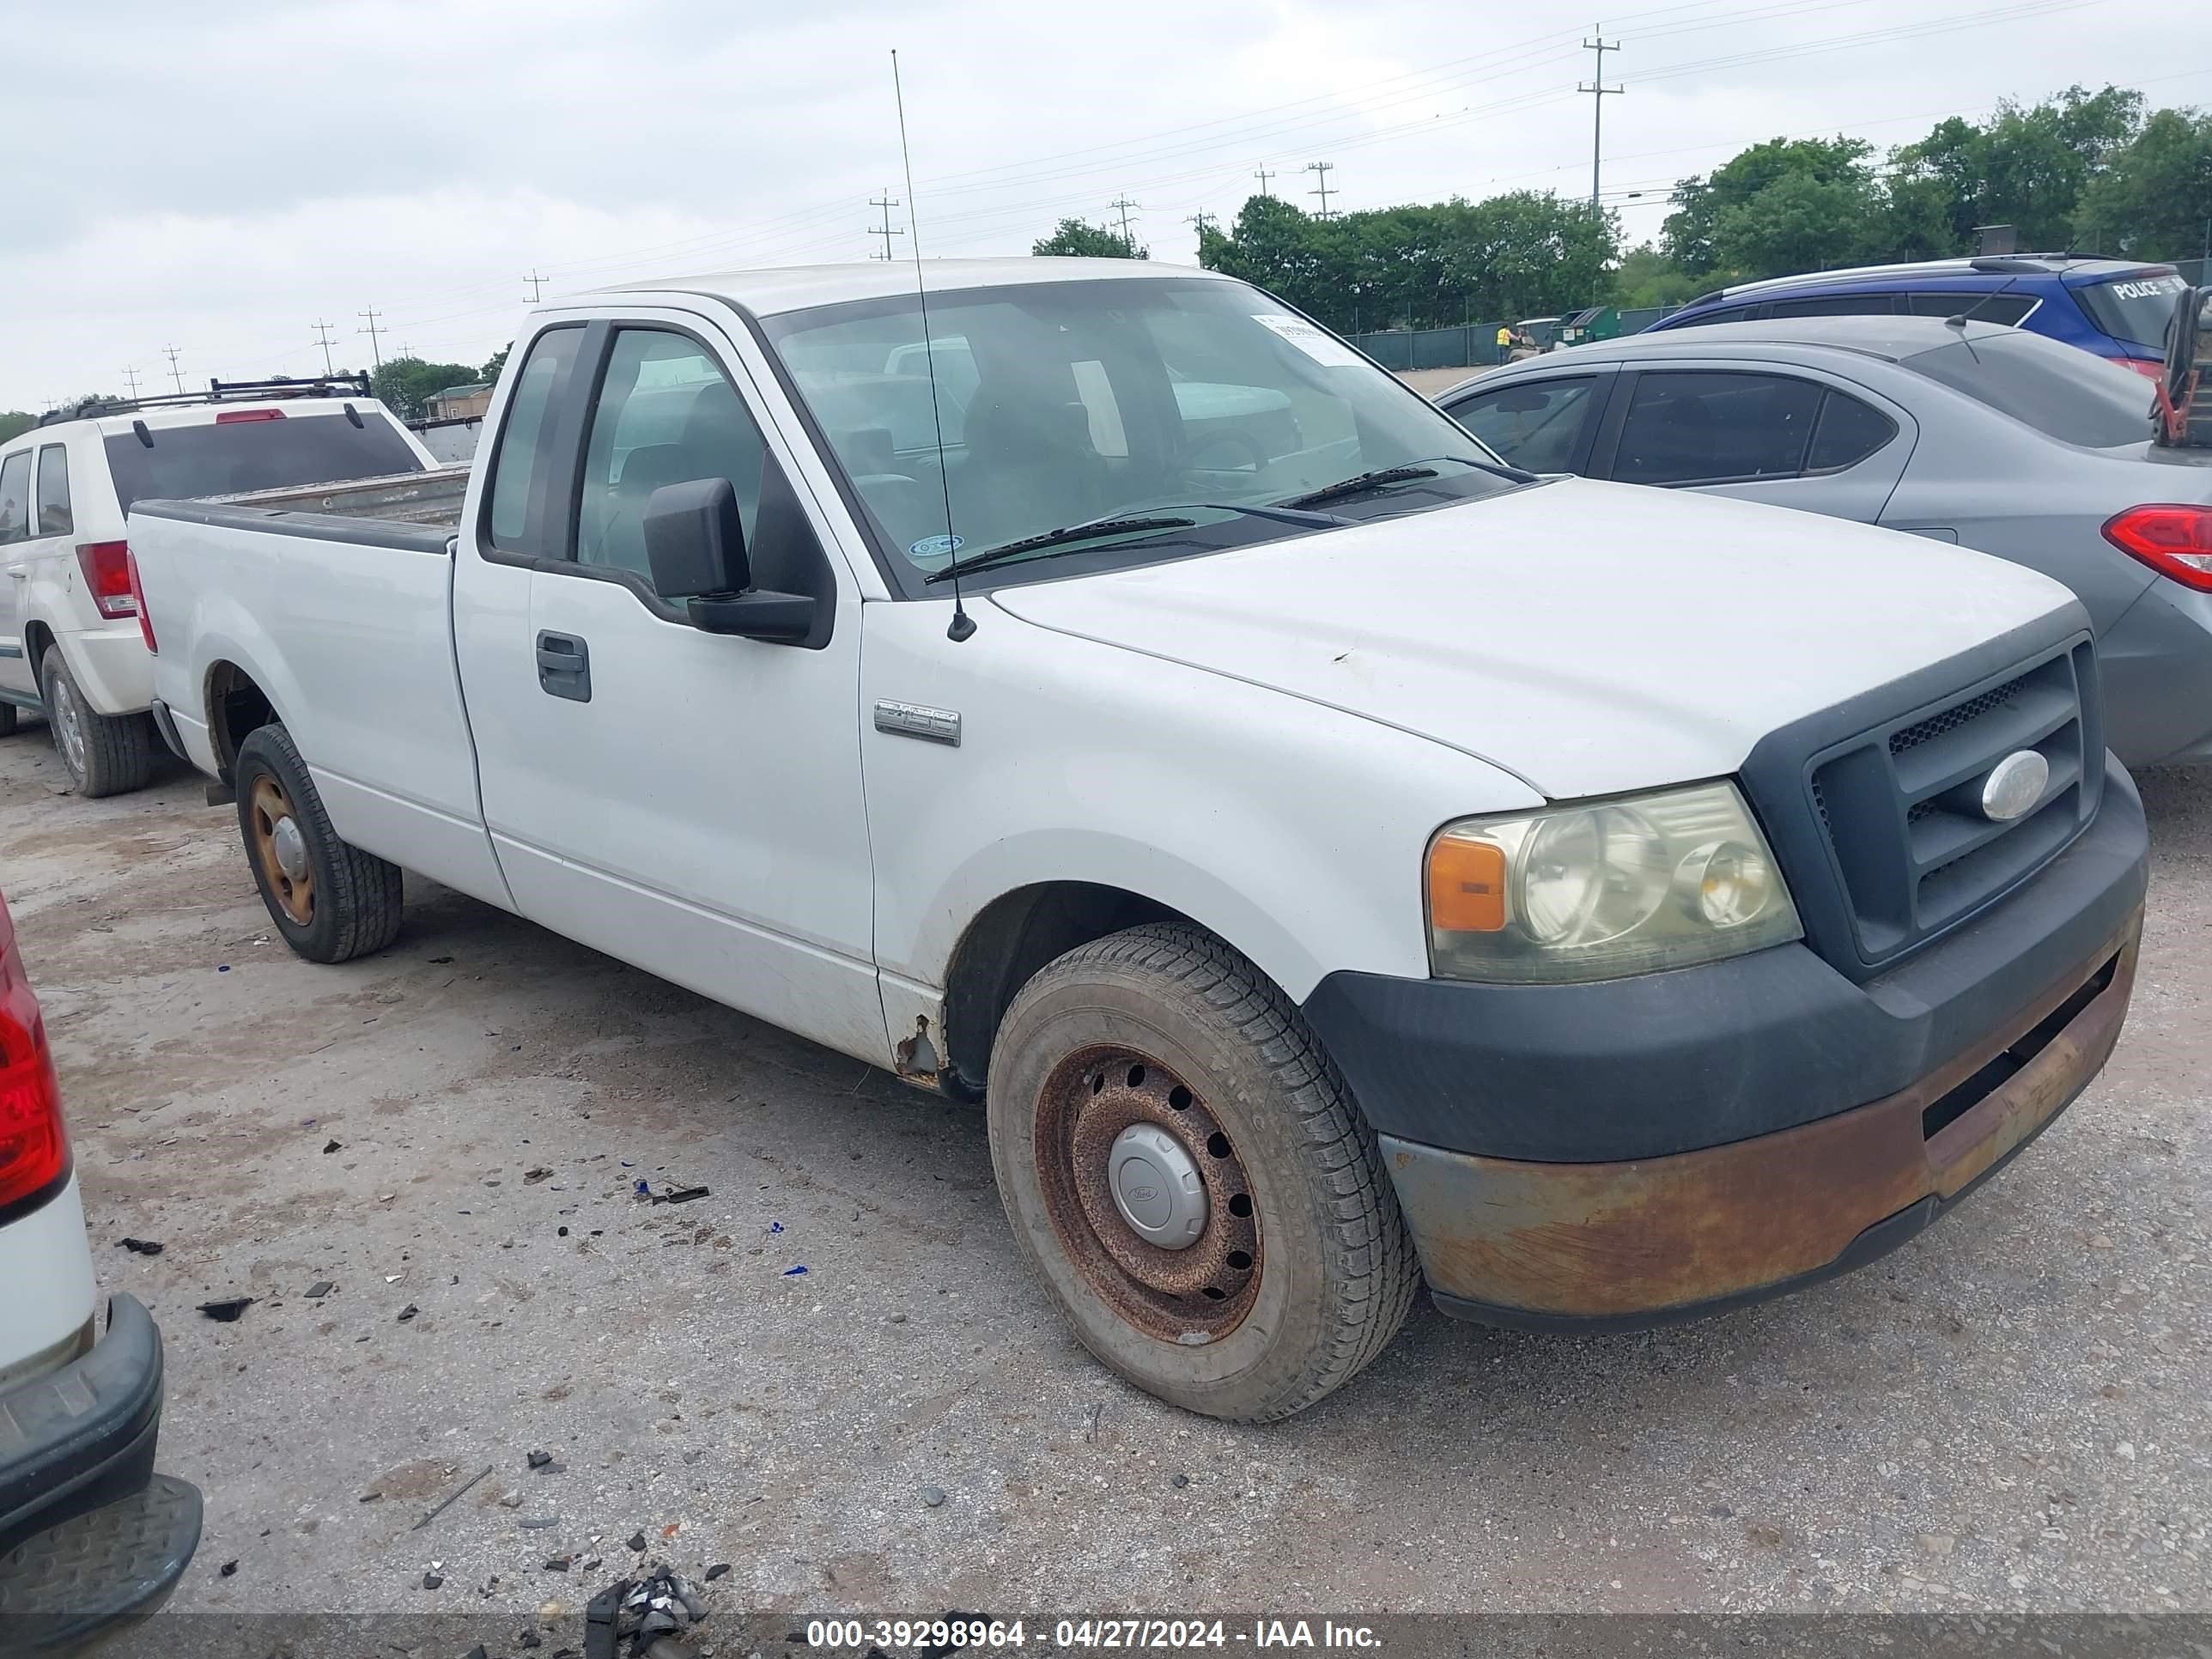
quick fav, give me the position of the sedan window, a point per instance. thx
(1694, 426)
(2062, 392)
(1532, 425)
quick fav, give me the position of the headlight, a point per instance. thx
(1606, 890)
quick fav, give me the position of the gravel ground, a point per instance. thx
(2010, 1413)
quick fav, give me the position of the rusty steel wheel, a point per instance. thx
(1148, 1195)
(281, 850)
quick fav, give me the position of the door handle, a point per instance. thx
(564, 666)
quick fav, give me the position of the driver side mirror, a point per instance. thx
(695, 543)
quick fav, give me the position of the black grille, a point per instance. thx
(1898, 806)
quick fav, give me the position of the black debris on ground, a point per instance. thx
(538, 1523)
(332, 1147)
(476, 1652)
(660, 1604)
(141, 1246)
(432, 1581)
(408, 1313)
(229, 1568)
(538, 1459)
(532, 1178)
(319, 1289)
(637, 1542)
(717, 1571)
(227, 1311)
(682, 1195)
(558, 1563)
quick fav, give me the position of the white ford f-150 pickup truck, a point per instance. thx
(1335, 859)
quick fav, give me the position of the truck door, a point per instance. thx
(689, 802)
(18, 673)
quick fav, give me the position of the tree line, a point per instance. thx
(2093, 171)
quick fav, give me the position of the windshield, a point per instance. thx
(2061, 391)
(2135, 308)
(1064, 403)
(228, 457)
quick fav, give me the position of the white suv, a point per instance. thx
(70, 641)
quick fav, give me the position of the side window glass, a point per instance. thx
(1533, 427)
(1836, 305)
(666, 414)
(1849, 432)
(16, 497)
(1994, 306)
(1725, 314)
(521, 461)
(1694, 426)
(54, 518)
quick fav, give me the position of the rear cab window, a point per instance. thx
(252, 449)
(54, 518)
(2074, 396)
(2133, 305)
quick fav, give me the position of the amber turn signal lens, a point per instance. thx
(1467, 886)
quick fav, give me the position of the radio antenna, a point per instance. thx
(963, 624)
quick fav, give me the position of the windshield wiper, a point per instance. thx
(1364, 481)
(1067, 536)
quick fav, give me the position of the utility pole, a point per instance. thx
(1263, 175)
(131, 375)
(371, 331)
(175, 373)
(1123, 203)
(1204, 221)
(1599, 93)
(322, 339)
(537, 285)
(886, 202)
(1321, 170)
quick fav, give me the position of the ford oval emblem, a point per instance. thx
(2014, 785)
(1143, 1194)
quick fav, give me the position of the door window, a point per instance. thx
(1691, 426)
(1836, 305)
(54, 519)
(1848, 431)
(516, 521)
(666, 414)
(1533, 426)
(1994, 306)
(16, 497)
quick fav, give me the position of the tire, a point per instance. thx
(329, 900)
(1251, 1099)
(105, 754)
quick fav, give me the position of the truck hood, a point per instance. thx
(1586, 637)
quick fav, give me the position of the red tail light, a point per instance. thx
(2175, 541)
(2145, 367)
(138, 597)
(107, 567)
(35, 1154)
(232, 416)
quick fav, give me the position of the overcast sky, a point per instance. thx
(220, 176)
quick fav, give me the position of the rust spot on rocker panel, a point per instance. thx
(1609, 1239)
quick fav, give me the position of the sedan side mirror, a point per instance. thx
(695, 543)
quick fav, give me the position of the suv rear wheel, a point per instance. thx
(106, 754)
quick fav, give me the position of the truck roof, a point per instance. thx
(799, 288)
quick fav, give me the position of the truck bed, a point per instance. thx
(425, 498)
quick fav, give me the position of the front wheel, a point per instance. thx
(330, 901)
(1187, 1173)
(106, 754)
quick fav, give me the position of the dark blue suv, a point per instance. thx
(2116, 308)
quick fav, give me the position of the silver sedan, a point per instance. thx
(1974, 434)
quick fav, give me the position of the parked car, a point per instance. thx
(2114, 308)
(70, 642)
(1987, 436)
(89, 1534)
(1285, 851)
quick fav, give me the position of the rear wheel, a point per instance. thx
(106, 754)
(1191, 1178)
(330, 901)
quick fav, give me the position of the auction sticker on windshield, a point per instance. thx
(1324, 349)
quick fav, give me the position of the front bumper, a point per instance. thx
(88, 1534)
(1652, 1148)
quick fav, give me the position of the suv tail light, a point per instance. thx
(107, 567)
(2149, 369)
(34, 1153)
(2175, 541)
(138, 598)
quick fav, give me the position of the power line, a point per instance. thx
(371, 331)
(1321, 170)
(322, 339)
(1124, 205)
(536, 285)
(886, 202)
(175, 373)
(1599, 93)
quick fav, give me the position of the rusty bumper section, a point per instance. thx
(1626, 1244)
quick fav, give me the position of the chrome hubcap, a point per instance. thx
(291, 848)
(1156, 1187)
(67, 725)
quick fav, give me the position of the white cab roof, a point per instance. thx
(796, 288)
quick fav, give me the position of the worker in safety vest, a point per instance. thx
(1504, 339)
